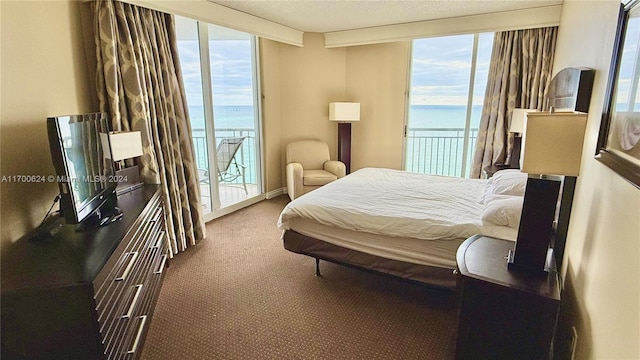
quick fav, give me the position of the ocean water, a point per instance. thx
(436, 139)
(443, 116)
(226, 117)
(420, 116)
(429, 151)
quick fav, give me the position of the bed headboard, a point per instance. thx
(570, 90)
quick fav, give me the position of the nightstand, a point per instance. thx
(503, 314)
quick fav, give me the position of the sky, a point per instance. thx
(629, 61)
(440, 70)
(231, 71)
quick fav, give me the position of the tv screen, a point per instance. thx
(81, 155)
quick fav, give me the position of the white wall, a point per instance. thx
(602, 260)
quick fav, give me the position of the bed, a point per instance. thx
(399, 223)
(410, 225)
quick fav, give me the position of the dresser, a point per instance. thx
(88, 294)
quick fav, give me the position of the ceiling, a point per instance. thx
(324, 16)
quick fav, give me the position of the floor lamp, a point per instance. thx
(345, 113)
(518, 117)
(552, 148)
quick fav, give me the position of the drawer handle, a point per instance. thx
(158, 243)
(132, 261)
(157, 215)
(164, 260)
(143, 320)
(133, 302)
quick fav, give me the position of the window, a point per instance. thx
(448, 81)
(219, 68)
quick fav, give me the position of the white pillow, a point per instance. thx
(505, 182)
(503, 210)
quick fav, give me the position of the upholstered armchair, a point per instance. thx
(309, 167)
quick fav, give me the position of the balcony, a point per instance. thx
(231, 192)
(439, 151)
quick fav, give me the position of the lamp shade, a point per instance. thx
(552, 143)
(125, 144)
(517, 119)
(344, 111)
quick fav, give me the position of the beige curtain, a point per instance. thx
(519, 77)
(140, 86)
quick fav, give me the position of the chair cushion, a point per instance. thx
(317, 177)
(310, 153)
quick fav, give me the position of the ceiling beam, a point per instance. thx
(493, 22)
(207, 11)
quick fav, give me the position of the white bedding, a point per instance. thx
(397, 204)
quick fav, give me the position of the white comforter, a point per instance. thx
(398, 204)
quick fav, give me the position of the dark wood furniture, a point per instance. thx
(86, 295)
(344, 144)
(503, 314)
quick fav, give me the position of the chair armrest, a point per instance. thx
(337, 168)
(294, 180)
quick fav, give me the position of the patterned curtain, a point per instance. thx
(519, 77)
(140, 86)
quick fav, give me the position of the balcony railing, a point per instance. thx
(246, 155)
(438, 151)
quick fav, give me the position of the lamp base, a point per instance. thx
(128, 179)
(344, 144)
(536, 224)
(548, 266)
(515, 154)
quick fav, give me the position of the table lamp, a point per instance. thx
(345, 113)
(126, 145)
(552, 148)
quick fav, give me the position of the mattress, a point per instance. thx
(414, 218)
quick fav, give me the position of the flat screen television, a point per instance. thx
(81, 156)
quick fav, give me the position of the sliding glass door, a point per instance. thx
(219, 67)
(448, 81)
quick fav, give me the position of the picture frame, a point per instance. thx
(619, 138)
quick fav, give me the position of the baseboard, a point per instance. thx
(275, 193)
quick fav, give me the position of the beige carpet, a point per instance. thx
(241, 295)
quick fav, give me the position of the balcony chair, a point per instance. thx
(229, 169)
(309, 167)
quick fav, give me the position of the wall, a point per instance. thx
(377, 78)
(602, 259)
(271, 113)
(298, 83)
(44, 73)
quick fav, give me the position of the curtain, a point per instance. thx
(140, 86)
(519, 77)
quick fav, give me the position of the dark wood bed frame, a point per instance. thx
(569, 89)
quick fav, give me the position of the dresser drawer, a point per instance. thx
(126, 274)
(123, 287)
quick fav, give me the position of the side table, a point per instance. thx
(502, 313)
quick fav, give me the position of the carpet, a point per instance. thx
(240, 295)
